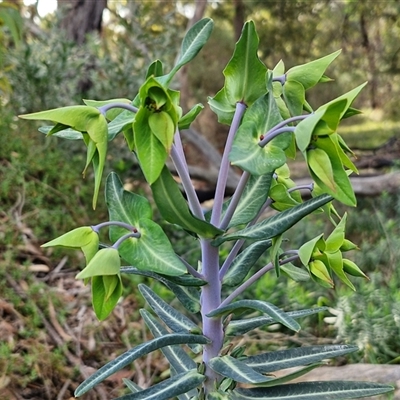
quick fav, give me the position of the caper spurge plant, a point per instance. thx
(270, 120)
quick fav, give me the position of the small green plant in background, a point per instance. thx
(270, 119)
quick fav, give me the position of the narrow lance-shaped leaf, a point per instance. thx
(277, 224)
(253, 198)
(131, 355)
(188, 297)
(262, 306)
(176, 356)
(170, 388)
(237, 370)
(244, 262)
(276, 360)
(241, 326)
(196, 37)
(174, 208)
(171, 317)
(313, 391)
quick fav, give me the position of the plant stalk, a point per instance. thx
(224, 168)
(210, 300)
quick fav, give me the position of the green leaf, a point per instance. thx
(83, 119)
(189, 297)
(246, 152)
(276, 224)
(184, 280)
(294, 95)
(174, 208)
(132, 386)
(123, 205)
(291, 376)
(237, 370)
(241, 326)
(155, 69)
(305, 128)
(335, 240)
(84, 238)
(313, 391)
(103, 300)
(152, 251)
(190, 116)
(295, 273)
(320, 164)
(105, 262)
(244, 262)
(69, 133)
(131, 355)
(262, 306)
(77, 117)
(222, 107)
(319, 270)
(335, 262)
(343, 190)
(282, 199)
(254, 196)
(307, 249)
(352, 269)
(170, 316)
(175, 355)
(311, 73)
(194, 40)
(150, 152)
(170, 388)
(162, 126)
(118, 124)
(245, 73)
(112, 113)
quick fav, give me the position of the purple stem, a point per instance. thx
(274, 133)
(210, 300)
(126, 106)
(181, 168)
(224, 168)
(289, 121)
(238, 245)
(121, 224)
(234, 200)
(309, 187)
(280, 78)
(190, 269)
(135, 235)
(254, 278)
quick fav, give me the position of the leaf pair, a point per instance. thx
(152, 251)
(92, 124)
(244, 75)
(325, 151)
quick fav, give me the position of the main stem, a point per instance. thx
(210, 300)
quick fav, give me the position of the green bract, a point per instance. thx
(84, 238)
(87, 120)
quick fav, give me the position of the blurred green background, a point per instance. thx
(49, 337)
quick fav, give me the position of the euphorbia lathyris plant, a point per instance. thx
(269, 118)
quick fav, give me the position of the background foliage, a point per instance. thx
(40, 197)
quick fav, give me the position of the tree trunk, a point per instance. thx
(200, 9)
(238, 19)
(81, 17)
